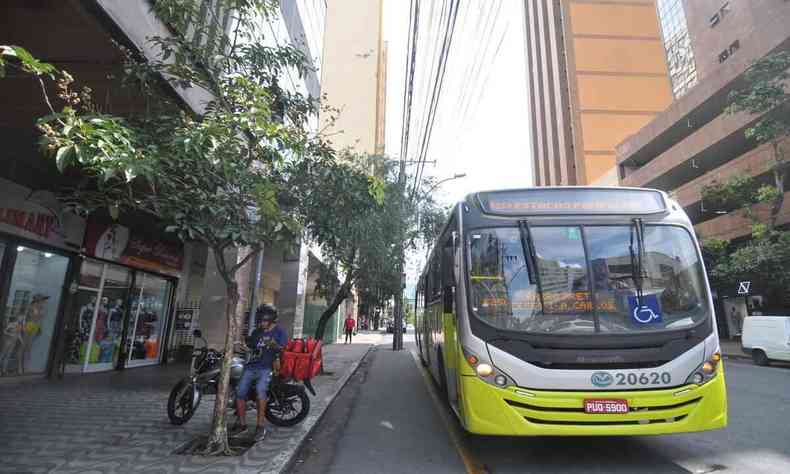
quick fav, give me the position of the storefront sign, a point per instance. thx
(743, 287)
(39, 216)
(117, 243)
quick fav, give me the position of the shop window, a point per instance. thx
(96, 327)
(108, 306)
(28, 318)
(150, 307)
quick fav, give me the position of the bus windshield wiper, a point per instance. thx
(637, 266)
(528, 247)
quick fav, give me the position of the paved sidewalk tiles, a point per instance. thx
(117, 422)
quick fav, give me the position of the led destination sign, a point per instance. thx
(572, 201)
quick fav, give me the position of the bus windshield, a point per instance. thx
(586, 280)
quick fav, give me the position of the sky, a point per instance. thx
(481, 126)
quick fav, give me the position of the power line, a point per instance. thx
(438, 82)
(408, 90)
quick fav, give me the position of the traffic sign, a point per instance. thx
(743, 287)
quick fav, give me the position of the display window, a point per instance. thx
(29, 315)
(113, 302)
(94, 344)
(150, 307)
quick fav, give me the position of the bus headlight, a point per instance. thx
(485, 370)
(706, 371)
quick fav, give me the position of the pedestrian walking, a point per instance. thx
(349, 326)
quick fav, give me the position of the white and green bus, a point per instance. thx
(571, 311)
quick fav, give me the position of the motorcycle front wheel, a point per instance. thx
(183, 402)
(288, 411)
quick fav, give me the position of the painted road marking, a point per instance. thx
(473, 466)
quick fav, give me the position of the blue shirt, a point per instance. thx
(262, 356)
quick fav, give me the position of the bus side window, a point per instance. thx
(448, 274)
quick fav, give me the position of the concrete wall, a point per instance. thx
(293, 283)
(350, 76)
(212, 302)
(618, 57)
(590, 65)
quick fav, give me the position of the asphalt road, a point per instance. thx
(386, 421)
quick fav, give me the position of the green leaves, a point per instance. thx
(734, 193)
(64, 154)
(24, 60)
(765, 93)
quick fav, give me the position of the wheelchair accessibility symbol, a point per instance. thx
(646, 313)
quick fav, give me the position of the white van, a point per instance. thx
(766, 338)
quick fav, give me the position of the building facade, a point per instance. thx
(90, 293)
(95, 294)
(589, 63)
(694, 143)
(353, 76)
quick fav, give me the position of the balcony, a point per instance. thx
(716, 143)
(703, 103)
(754, 163)
(735, 225)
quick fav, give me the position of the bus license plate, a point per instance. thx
(605, 406)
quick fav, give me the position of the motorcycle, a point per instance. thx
(288, 403)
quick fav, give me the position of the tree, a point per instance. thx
(222, 178)
(360, 223)
(764, 258)
(351, 216)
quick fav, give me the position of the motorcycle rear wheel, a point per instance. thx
(180, 410)
(291, 411)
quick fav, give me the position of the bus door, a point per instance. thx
(449, 316)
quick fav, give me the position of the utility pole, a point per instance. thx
(397, 333)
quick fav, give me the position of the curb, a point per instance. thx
(736, 357)
(286, 460)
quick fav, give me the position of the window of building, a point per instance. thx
(27, 322)
(677, 44)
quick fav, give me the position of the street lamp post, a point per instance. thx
(397, 337)
(455, 176)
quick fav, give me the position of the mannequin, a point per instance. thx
(32, 329)
(19, 333)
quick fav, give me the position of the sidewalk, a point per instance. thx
(732, 349)
(117, 422)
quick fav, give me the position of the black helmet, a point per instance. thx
(266, 312)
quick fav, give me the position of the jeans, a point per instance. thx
(349, 332)
(260, 376)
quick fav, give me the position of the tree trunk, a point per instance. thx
(218, 438)
(340, 296)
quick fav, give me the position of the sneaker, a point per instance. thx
(260, 433)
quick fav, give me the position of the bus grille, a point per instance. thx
(606, 423)
(637, 415)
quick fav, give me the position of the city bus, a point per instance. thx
(571, 311)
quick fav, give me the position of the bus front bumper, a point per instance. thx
(511, 411)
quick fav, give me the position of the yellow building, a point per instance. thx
(353, 75)
(596, 73)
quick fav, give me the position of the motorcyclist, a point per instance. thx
(265, 344)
